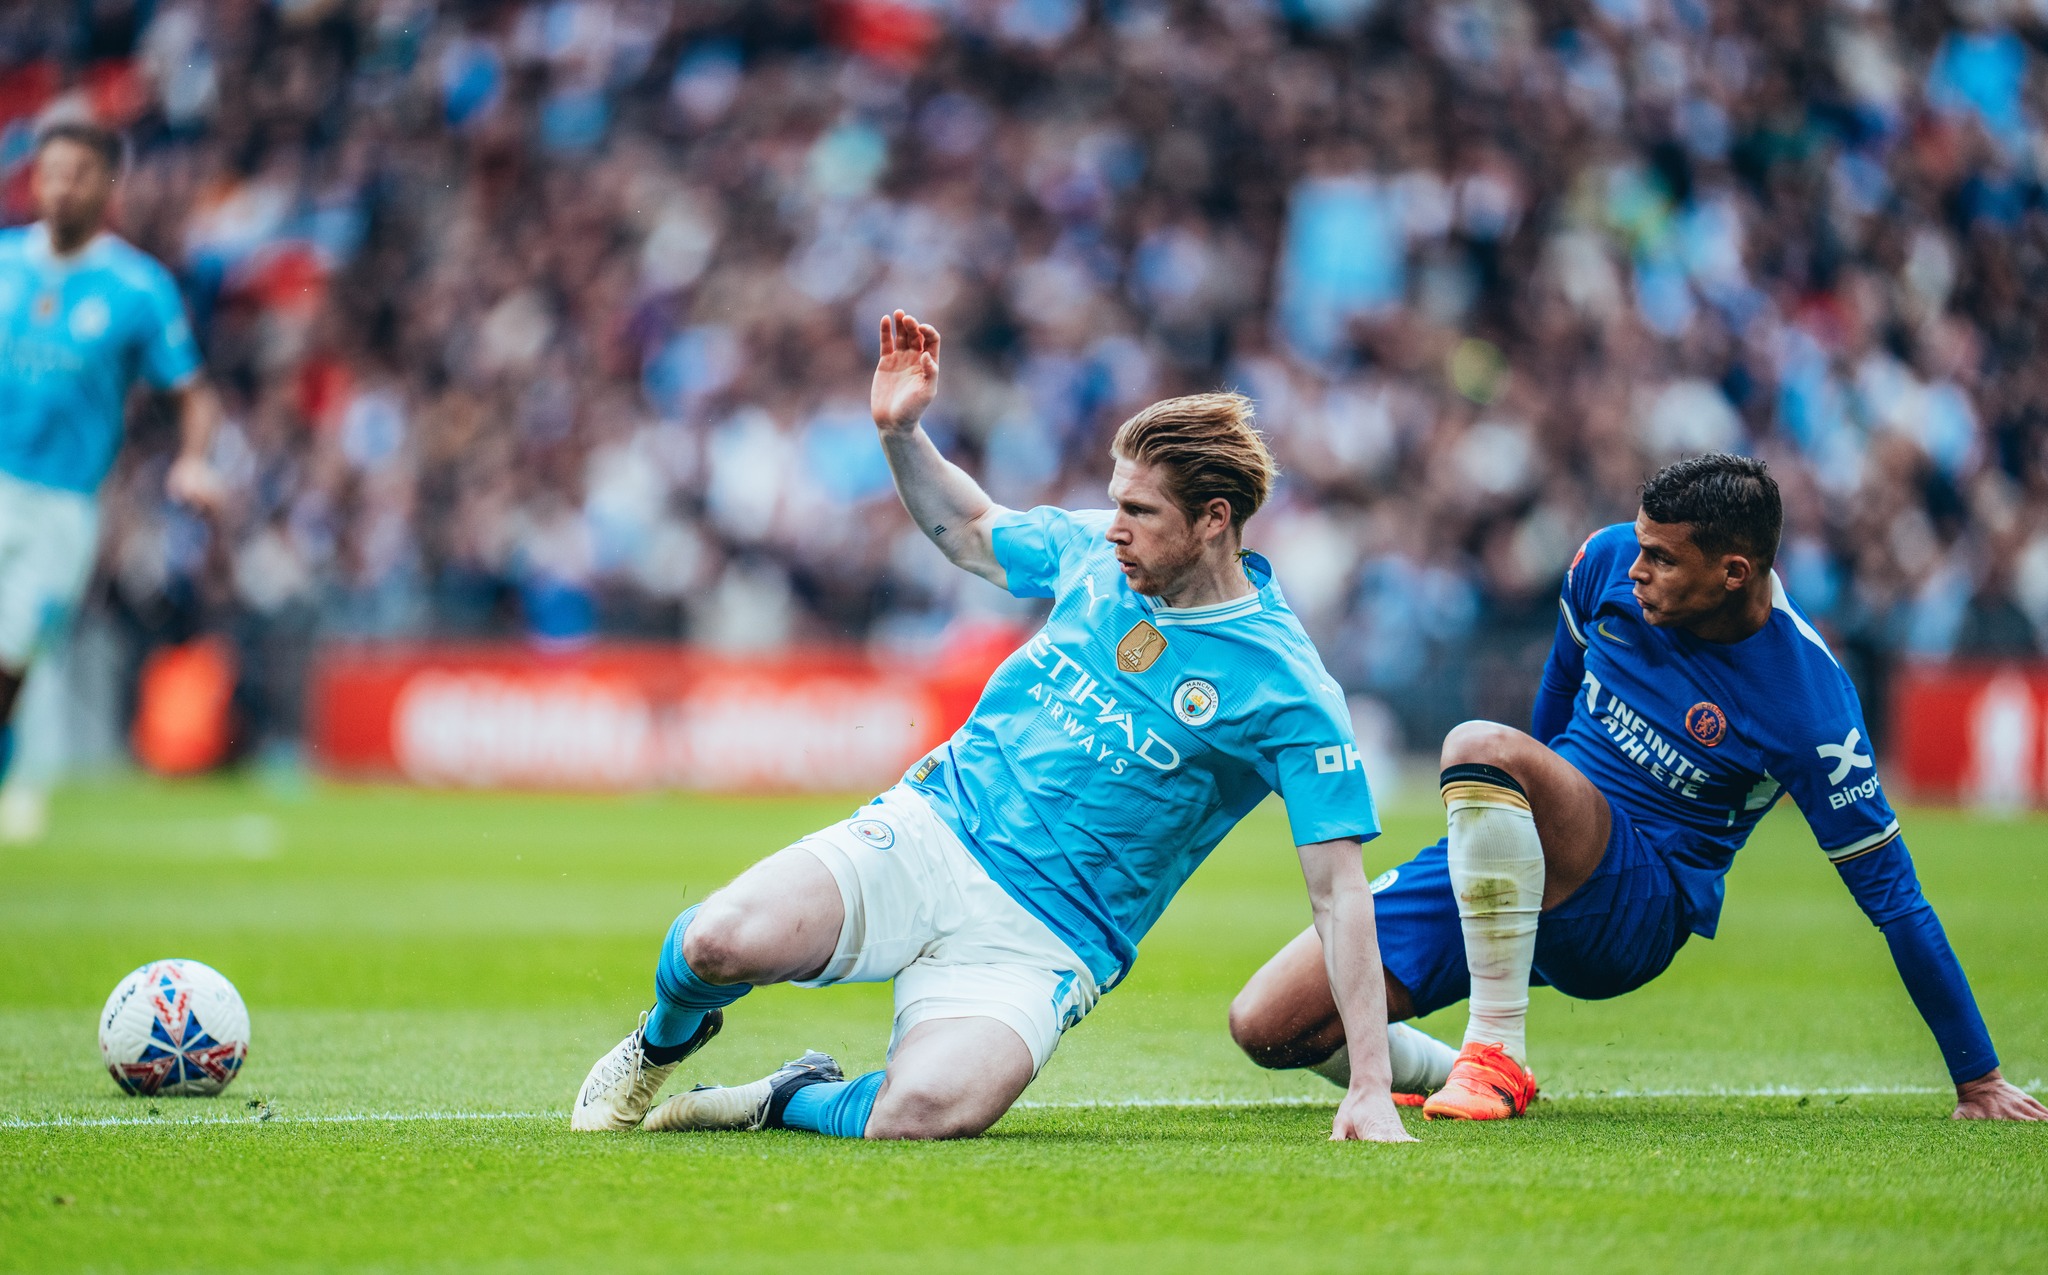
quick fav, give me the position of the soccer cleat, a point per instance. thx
(1486, 1084)
(756, 1106)
(1410, 1099)
(24, 815)
(620, 1088)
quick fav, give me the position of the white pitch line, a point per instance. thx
(1110, 1104)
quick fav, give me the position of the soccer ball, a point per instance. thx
(174, 1028)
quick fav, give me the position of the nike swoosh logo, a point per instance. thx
(1601, 629)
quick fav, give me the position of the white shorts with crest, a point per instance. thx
(923, 911)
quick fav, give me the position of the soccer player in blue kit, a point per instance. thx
(1003, 885)
(1684, 694)
(83, 316)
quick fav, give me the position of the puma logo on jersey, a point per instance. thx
(1845, 756)
(1088, 582)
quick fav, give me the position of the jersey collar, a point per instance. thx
(39, 249)
(1256, 569)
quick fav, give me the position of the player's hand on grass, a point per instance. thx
(1990, 1097)
(191, 481)
(907, 377)
(1368, 1118)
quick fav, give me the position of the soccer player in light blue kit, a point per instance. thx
(83, 316)
(1004, 884)
(1684, 695)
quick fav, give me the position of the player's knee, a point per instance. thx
(1261, 1034)
(921, 1111)
(1483, 744)
(718, 944)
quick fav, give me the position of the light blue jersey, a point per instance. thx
(1111, 752)
(75, 333)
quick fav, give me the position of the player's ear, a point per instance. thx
(1216, 516)
(1740, 571)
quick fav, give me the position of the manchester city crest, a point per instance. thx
(873, 831)
(1194, 702)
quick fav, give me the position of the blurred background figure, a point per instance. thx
(547, 319)
(84, 317)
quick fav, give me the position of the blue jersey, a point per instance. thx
(1696, 740)
(1111, 752)
(75, 334)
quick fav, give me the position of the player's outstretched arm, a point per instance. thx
(191, 479)
(1342, 901)
(1888, 890)
(948, 505)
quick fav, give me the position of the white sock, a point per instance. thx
(1496, 864)
(1421, 1062)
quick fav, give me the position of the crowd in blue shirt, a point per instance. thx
(551, 318)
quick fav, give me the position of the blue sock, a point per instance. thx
(682, 998)
(6, 749)
(837, 1108)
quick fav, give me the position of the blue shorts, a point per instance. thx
(1615, 933)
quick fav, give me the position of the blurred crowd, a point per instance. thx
(555, 318)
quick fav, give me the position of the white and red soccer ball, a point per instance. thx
(174, 1028)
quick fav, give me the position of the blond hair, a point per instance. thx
(1209, 450)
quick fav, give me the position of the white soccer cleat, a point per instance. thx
(619, 1089)
(733, 1107)
(24, 815)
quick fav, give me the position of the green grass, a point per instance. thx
(408, 956)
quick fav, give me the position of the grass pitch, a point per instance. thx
(429, 976)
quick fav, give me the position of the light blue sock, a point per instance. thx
(837, 1108)
(682, 998)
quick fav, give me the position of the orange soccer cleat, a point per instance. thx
(1485, 1084)
(1409, 1099)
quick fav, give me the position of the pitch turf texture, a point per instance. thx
(430, 975)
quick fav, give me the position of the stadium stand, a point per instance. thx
(555, 318)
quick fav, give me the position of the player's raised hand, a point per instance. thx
(1368, 1119)
(1991, 1097)
(907, 377)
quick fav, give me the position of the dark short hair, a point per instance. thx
(103, 142)
(1729, 502)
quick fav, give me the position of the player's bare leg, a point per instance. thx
(951, 1078)
(1526, 831)
(779, 920)
(1286, 1018)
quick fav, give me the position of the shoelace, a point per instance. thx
(630, 1071)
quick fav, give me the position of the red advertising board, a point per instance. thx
(1972, 733)
(624, 716)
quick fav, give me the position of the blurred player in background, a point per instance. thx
(83, 315)
(1005, 883)
(1684, 694)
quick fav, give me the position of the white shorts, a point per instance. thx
(47, 540)
(921, 910)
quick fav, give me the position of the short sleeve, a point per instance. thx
(1826, 764)
(169, 355)
(1317, 770)
(1031, 545)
